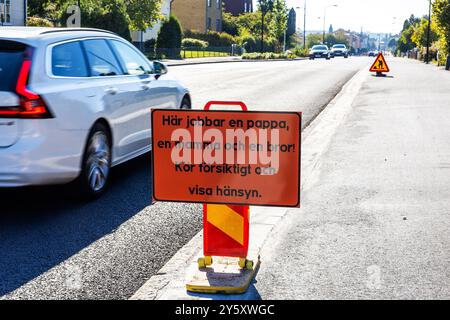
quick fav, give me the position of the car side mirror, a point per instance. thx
(159, 68)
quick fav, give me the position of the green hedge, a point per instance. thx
(214, 39)
(38, 22)
(194, 43)
(268, 56)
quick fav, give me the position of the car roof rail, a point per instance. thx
(77, 29)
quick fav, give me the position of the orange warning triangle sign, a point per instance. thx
(380, 64)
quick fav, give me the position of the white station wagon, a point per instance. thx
(74, 103)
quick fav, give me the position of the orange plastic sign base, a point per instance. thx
(380, 64)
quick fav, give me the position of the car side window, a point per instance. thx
(68, 60)
(133, 62)
(101, 59)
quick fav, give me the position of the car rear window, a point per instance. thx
(320, 48)
(11, 58)
(68, 60)
(339, 46)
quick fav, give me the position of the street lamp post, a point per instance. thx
(324, 19)
(265, 6)
(427, 59)
(304, 26)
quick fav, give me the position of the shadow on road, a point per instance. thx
(41, 227)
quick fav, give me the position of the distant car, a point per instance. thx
(373, 53)
(339, 50)
(74, 103)
(319, 51)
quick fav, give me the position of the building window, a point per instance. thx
(218, 3)
(218, 25)
(245, 7)
(209, 3)
(208, 26)
(5, 11)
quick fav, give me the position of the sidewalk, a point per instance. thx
(375, 221)
(194, 61)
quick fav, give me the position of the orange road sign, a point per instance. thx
(226, 157)
(380, 64)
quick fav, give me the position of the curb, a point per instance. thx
(179, 64)
(267, 224)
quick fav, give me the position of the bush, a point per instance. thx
(169, 37)
(214, 39)
(301, 52)
(194, 43)
(254, 45)
(149, 45)
(38, 22)
(267, 56)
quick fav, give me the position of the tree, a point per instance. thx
(405, 42)
(420, 34)
(143, 13)
(313, 39)
(392, 44)
(441, 11)
(410, 22)
(102, 14)
(230, 24)
(169, 37)
(279, 19)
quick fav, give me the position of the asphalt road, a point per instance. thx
(52, 246)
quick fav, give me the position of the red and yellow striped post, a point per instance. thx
(225, 227)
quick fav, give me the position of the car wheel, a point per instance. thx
(186, 104)
(328, 58)
(96, 164)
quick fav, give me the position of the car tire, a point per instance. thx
(186, 104)
(346, 57)
(328, 58)
(96, 164)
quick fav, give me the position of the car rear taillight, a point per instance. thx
(32, 106)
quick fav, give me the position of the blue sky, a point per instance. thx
(385, 16)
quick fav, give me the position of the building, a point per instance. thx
(292, 22)
(199, 15)
(13, 12)
(152, 33)
(237, 7)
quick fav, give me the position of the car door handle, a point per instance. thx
(112, 91)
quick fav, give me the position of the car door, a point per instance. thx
(156, 92)
(121, 96)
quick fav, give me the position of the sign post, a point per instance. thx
(226, 160)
